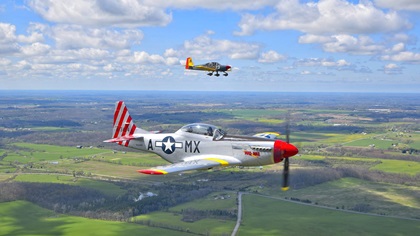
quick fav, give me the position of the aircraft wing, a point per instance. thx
(201, 162)
(268, 135)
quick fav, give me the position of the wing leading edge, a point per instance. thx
(195, 163)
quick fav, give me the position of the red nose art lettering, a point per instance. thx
(253, 154)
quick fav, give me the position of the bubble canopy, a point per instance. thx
(203, 129)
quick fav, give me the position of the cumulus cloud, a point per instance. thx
(362, 45)
(213, 4)
(410, 5)
(325, 17)
(144, 58)
(35, 49)
(403, 57)
(120, 13)
(73, 37)
(321, 62)
(4, 62)
(392, 69)
(10, 42)
(271, 57)
(206, 48)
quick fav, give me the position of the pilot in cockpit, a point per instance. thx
(210, 131)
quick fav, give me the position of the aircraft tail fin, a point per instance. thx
(123, 126)
(189, 63)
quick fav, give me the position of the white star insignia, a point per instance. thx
(168, 145)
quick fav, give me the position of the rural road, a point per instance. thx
(238, 221)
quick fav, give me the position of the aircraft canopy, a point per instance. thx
(204, 129)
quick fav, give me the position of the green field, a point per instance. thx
(376, 143)
(252, 114)
(105, 187)
(211, 202)
(265, 216)
(382, 198)
(392, 166)
(24, 218)
(208, 225)
(44, 152)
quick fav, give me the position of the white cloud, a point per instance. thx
(4, 62)
(170, 52)
(7, 33)
(11, 43)
(312, 38)
(23, 65)
(205, 48)
(86, 55)
(410, 5)
(8, 42)
(362, 45)
(146, 58)
(398, 47)
(112, 67)
(121, 13)
(392, 69)
(391, 66)
(403, 57)
(325, 17)
(74, 37)
(271, 57)
(213, 4)
(316, 62)
(35, 49)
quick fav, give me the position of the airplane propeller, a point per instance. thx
(292, 151)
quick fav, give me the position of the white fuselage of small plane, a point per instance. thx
(183, 146)
(198, 146)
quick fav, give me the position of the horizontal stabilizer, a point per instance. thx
(120, 139)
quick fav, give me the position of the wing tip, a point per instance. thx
(153, 172)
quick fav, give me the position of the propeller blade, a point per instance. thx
(288, 127)
(285, 186)
(286, 159)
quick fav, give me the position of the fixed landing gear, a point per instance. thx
(217, 74)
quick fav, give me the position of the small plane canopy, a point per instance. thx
(212, 64)
(203, 129)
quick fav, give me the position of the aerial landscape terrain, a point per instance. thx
(357, 171)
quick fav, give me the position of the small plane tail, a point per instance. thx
(123, 126)
(189, 63)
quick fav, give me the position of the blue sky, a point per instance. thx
(283, 45)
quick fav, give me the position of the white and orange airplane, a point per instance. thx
(201, 146)
(211, 67)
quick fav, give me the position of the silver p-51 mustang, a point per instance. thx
(200, 146)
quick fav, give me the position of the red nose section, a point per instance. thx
(228, 67)
(283, 150)
(289, 150)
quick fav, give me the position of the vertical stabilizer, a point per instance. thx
(123, 123)
(189, 63)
